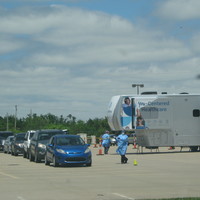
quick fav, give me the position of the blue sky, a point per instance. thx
(71, 56)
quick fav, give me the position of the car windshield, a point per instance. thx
(47, 136)
(20, 137)
(63, 141)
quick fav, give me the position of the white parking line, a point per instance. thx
(123, 196)
(9, 175)
(20, 198)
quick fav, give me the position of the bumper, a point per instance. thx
(19, 150)
(41, 153)
(84, 158)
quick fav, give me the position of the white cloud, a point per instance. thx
(179, 9)
(65, 60)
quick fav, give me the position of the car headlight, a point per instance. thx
(42, 146)
(61, 151)
(19, 145)
(87, 150)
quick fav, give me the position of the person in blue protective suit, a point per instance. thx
(122, 142)
(106, 142)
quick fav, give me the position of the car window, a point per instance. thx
(20, 137)
(44, 137)
(63, 141)
(31, 134)
(53, 141)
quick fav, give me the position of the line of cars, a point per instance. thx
(51, 146)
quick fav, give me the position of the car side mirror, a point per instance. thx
(50, 145)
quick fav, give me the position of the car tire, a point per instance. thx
(27, 154)
(46, 162)
(30, 157)
(55, 164)
(24, 154)
(15, 153)
(89, 164)
(37, 160)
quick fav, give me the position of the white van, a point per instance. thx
(28, 136)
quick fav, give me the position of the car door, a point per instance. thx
(33, 144)
(50, 149)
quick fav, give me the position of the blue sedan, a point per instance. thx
(67, 149)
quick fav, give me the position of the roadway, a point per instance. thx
(163, 174)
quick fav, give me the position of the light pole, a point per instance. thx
(138, 86)
(15, 117)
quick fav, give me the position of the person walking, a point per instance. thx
(106, 141)
(122, 142)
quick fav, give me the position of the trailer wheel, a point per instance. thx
(194, 148)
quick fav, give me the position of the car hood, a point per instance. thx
(74, 148)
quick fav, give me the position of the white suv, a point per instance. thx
(28, 136)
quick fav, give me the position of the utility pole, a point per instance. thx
(15, 117)
(7, 123)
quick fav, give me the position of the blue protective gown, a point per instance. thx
(122, 142)
(106, 140)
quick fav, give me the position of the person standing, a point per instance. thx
(122, 142)
(106, 142)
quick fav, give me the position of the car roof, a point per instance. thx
(66, 136)
(20, 134)
(49, 130)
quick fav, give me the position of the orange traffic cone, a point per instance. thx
(95, 146)
(100, 151)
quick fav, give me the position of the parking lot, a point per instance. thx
(168, 173)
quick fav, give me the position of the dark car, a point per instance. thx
(68, 149)
(17, 144)
(38, 143)
(7, 144)
(3, 137)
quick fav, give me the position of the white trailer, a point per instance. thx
(158, 120)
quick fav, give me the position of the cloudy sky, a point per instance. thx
(71, 56)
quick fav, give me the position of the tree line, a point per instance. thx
(95, 126)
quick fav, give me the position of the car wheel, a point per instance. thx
(55, 164)
(37, 160)
(27, 154)
(15, 153)
(24, 154)
(46, 162)
(89, 164)
(30, 157)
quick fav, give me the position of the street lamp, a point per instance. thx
(138, 86)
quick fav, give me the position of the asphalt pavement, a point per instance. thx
(147, 175)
